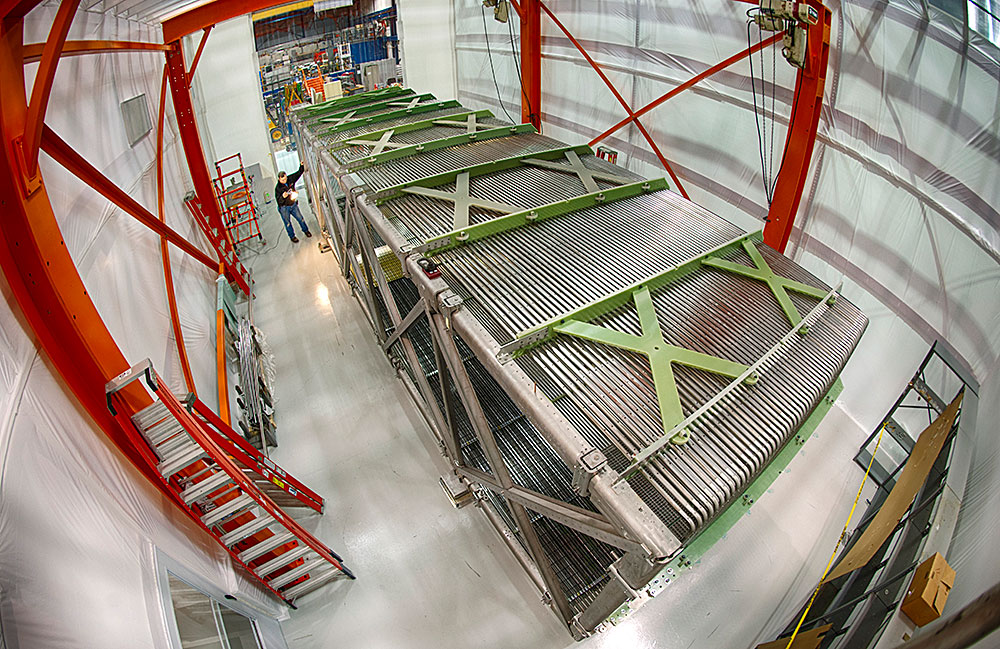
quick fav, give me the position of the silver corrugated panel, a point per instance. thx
(333, 139)
(357, 152)
(604, 396)
(466, 155)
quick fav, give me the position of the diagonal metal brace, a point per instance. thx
(462, 200)
(481, 169)
(661, 355)
(525, 217)
(586, 175)
(455, 119)
(779, 285)
(358, 121)
(657, 446)
(441, 143)
(596, 308)
(411, 317)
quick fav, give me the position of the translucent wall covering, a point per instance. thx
(901, 203)
(78, 524)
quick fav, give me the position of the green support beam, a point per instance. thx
(524, 217)
(356, 100)
(394, 114)
(779, 285)
(479, 170)
(369, 138)
(442, 143)
(537, 335)
(661, 357)
(345, 114)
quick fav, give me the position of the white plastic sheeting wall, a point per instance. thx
(227, 93)
(78, 523)
(901, 200)
(427, 46)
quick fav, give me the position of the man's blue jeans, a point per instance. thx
(287, 212)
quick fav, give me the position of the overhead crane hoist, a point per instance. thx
(793, 19)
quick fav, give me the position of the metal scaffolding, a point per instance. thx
(606, 364)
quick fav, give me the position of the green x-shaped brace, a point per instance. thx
(661, 355)
(346, 118)
(379, 145)
(470, 123)
(406, 104)
(779, 285)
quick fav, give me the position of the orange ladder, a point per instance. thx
(230, 489)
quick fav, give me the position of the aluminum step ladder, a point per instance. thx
(230, 489)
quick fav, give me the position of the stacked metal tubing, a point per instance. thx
(554, 406)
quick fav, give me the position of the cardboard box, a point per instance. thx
(928, 591)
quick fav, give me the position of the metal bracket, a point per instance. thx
(369, 107)
(657, 446)
(372, 137)
(531, 337)
(448, 302)
(590, 464)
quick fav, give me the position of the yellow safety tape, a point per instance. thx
(843, 533)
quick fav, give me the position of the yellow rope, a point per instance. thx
(843, 533)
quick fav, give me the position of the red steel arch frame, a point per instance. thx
(40, 275)
(799, 141)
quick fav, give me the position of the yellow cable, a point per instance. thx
(843, 533)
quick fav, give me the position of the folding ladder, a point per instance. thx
(229, 488)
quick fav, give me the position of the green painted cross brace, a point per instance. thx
(355, 99)
(661, 356)
(778, 285)
(340, 116)
(355, 121)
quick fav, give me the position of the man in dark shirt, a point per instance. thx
(288, 203)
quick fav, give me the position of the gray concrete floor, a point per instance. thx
(430, 575)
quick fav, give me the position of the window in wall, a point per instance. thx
(204, 623)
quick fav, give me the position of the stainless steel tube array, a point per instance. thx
(543, 439)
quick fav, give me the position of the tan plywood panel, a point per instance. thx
(912, 477)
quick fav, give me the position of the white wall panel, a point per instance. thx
(229, 87)
(78, 523)
(427, 46)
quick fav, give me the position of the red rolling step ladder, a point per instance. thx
(229, 488)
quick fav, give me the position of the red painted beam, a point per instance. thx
(801, 137)
(187, 126)
(65, 155)
(168, 273)
(531, 62)
(687, 84)
(14, 10)
(33, 51)
(197, 55)
(41, 89)
(618, 96)
(43, 283)
(210, 14)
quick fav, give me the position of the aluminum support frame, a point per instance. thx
(499, 469)
(616, 501)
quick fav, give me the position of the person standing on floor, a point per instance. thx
(288, 202)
